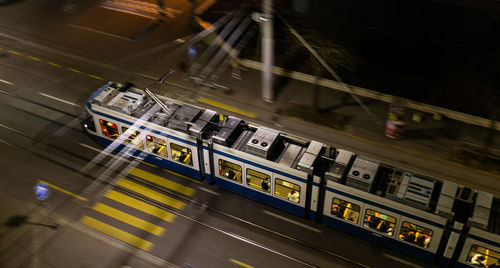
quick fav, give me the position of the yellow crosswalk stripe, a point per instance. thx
(140, 205)
(240, 263)
(117, 233)
(167, 200)
(129, 219)
(162, 182)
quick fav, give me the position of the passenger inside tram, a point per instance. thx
(293, 196)
(373, 222)
(408, 237)
(230, 174)
(478, 260)
(386, 228)
(265, 184)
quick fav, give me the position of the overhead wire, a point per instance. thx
(346, 87)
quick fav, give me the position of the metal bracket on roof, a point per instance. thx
(154, 97)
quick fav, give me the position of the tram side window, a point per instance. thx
(415, 234)
(181, 154)
(133, 138)
(379, 221)
(156, 145)
(483, 257)
(109, 129)
(230, 170)
(258, 180)
(287, 190)
(345, 210)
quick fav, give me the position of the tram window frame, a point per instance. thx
(415, 234)
(261, 181)
(490, 256)
(368, 223)
(288, 194)
(177, 157)
(105, 129)
(225, 167)
(153, 146)
(134, 138)
(346, 210)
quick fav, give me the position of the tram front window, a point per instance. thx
(109, 129)
(379, 221)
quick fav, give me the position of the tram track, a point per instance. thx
(170, 192)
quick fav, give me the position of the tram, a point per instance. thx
(435, 220)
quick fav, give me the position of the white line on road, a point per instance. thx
(58, 99)
(405, 262)
(100, 32)
(292, 221)
(180, 40)
(6, 82)
(208, 190)
(89, 147)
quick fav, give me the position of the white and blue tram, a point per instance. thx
(438, 221)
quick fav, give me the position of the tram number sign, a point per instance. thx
(42, 191)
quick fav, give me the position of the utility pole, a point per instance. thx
(267, 51)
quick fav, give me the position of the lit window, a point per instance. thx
(287, 190)
(133, 138)
(156, 145)
(230, 170)
(482, 257)
(258, 180)
(181, 154)
(415, 234)
(109, 129)
(345, 210)
(379, 221)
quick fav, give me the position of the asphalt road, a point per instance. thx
(48, 68)
(41, 140)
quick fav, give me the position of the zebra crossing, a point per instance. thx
(128, 212)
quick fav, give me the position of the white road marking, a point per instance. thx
(89, 147)
(292, 221)
(58, 99)
(6, 82)
(208, 190)
(180, 40)
(405, 262)
(100, 32)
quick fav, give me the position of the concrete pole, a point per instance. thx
(267, 51)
